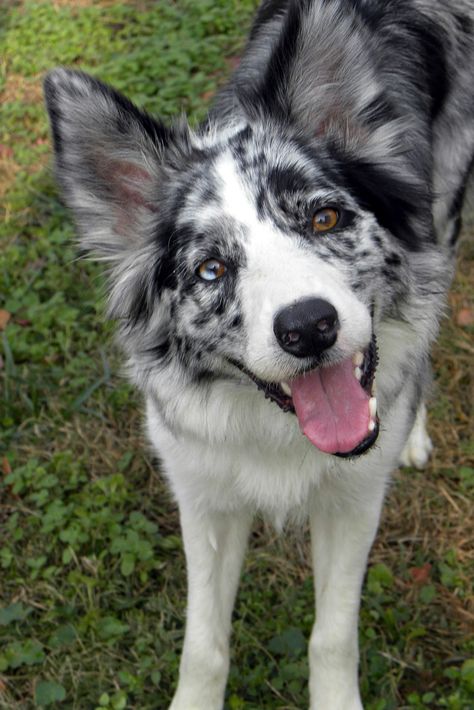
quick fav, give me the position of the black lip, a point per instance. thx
(363, 446)
(371, 360)
(271, 390)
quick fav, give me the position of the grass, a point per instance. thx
(92, 570)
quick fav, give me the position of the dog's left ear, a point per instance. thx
(109, 161)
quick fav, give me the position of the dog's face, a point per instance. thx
(272, 280)
(249, 249)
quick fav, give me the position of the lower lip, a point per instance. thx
(363, 446)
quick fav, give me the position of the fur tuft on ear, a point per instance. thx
(109, 161)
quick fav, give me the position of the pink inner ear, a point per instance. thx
(131, 184)
(131, 187)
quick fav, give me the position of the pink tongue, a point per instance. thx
(332, 408)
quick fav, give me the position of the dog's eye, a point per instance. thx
(211, 270)
(325, 219)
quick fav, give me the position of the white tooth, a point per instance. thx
(371, 425)
(358, 358)
(357, 373)
(286, 388)
(372, 407)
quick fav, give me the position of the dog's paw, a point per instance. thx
(419, 446)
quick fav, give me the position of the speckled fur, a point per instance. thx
(359, 104)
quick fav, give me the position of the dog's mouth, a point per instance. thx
(335, 405)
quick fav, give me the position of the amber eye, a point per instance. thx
(325, 219)
(211, 270)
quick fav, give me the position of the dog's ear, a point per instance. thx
(109, 161)
(320, 75)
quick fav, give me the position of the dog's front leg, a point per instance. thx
(341, 539)
(214, 544)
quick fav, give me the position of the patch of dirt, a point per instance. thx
(27, 91)
(20, 88)
(8, 169)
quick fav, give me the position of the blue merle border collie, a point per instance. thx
(278, 275)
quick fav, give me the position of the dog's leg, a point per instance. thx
(341, 539)
(418, 447)
(215, 545)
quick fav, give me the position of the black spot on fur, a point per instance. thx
(286, 180)
(160, 351)
(219, 309)
(269, 94)
(260, 201)
(390, 275)
(393, 259)
(391, 200)
(238, 143)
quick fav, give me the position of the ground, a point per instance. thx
(92, 591)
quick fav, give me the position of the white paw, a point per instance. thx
(418, 447)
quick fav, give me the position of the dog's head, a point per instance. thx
(251, 245)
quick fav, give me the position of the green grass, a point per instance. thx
(92, 571)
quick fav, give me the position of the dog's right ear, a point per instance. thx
(109, 161)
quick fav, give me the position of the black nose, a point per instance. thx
(306, 327)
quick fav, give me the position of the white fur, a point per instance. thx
(263, 463)
(419, 446)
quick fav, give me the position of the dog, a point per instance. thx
(278, 275)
